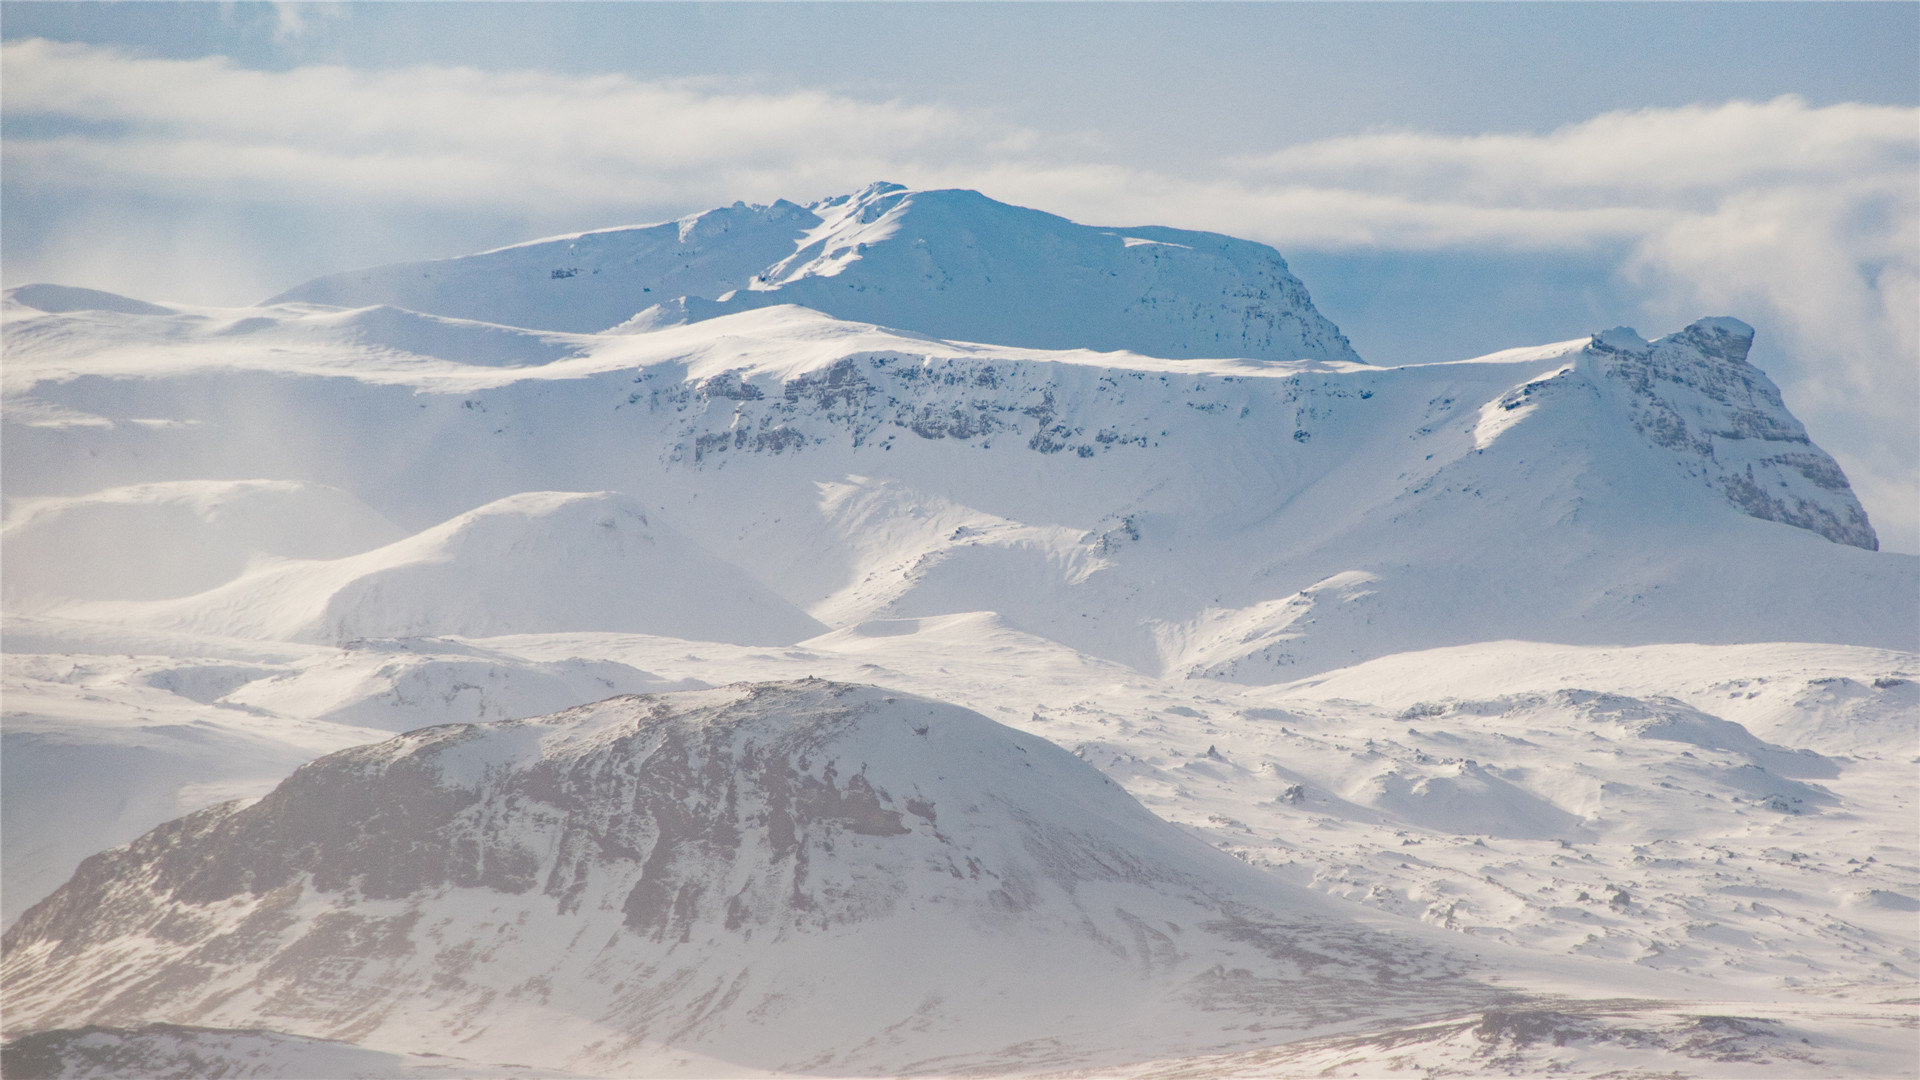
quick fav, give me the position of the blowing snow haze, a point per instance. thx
(913, 634)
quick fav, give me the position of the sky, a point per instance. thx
(1448, 179)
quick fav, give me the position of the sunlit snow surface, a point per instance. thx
(1566, 673)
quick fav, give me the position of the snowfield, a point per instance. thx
(911, 634)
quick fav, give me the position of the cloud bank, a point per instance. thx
(1804, 220)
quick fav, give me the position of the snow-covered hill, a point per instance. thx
(752, 854)
(950, 264)
(532, 562)
(153, 541)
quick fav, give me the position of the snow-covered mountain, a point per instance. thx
(949, 264)
(723, 873)
(1573, 669)
(1227, 518)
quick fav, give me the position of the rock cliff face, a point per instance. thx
(1691, 396)
(801, 875)
(950, 264)
(1694, 395)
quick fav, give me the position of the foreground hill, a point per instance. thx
(802, 876)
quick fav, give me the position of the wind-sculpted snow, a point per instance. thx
(581, 283)
(809, 876)
(951, 264)
(59, 299)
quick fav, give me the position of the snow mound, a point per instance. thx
(1465, 798)
(530, 563)
(950, 264)
(153, 541)
(402, 685)
(464, 341)
(62, 299)
(804, 876)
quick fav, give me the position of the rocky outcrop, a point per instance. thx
(1694, 395)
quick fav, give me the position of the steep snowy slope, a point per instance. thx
(1693, 395)
(533, 562)
(809, 876)
(951, 264)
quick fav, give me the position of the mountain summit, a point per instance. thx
(947, 263)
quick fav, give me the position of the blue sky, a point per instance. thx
(1449, 179)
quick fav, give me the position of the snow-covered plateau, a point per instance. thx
(910, 634)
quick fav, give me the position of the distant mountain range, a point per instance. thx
(1122, 490)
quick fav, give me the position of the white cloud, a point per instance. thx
(426, 134)
(1685, 155)
(1804, 220)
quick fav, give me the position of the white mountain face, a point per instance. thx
(949, 264)
(1571, 670)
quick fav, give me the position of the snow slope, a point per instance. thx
(950, 264)
(527, 563)
(153, 541)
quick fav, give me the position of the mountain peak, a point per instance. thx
(1695, 397)
(946, 263)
